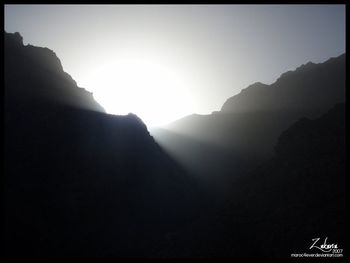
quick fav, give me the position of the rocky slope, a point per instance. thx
(36, 74)
(79, 182)
(249, 124)
(281, 205)
(310, 87)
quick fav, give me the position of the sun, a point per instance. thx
(145, 87)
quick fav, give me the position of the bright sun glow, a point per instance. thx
(141, 86)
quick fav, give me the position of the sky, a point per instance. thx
(164, 62)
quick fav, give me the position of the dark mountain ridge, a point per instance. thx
(295, 191)
(249, 123)
(79, 182)
(82, 183)
(300, 194)
(279, 206)
(309, 87)
(36, 75)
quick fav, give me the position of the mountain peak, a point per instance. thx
(254, 86)
(310, 66)
(36, 74)
(14, 39)
(317, 86)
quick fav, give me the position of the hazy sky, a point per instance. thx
(213, 51)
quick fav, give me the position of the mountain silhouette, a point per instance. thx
(77, 181)
(300, 193)
(249, 124)
(278, 207)
(310, 87)
(35, 75)
(261, 177)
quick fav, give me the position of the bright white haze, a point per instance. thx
(163, 62)
(140, 85)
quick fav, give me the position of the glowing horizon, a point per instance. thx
(192, 58)
(140, 85)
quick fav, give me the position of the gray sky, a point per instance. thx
(217, 49)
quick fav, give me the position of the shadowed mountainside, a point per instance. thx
(310, 87)
(82, 183)
(284, 203)
(249, 124)
(79, 182)
(36, 75)
(299, 194)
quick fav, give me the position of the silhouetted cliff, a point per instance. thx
(281, 205)
(79, 182)
(309, 87)
(36, 75)
(82, 183)
(249, 124)
(298, 195)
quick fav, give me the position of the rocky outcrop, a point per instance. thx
(309, 87)
(36, 74)
(79, 182)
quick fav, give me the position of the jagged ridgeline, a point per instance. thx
(36, 74)
(298, 195)
(79, 182)
(249, 123)
(309, 88)
(276, 206)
